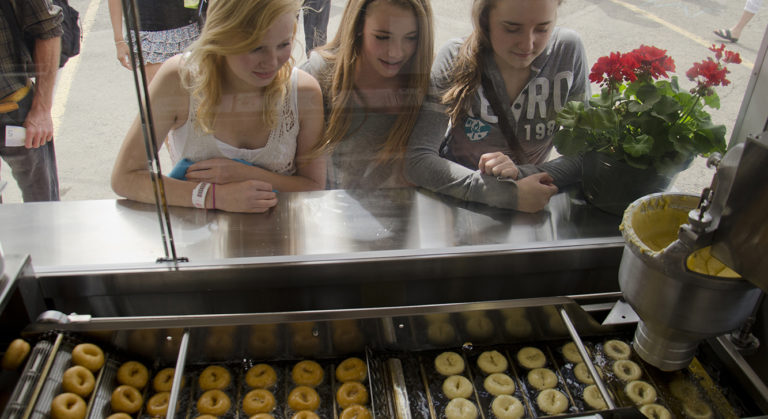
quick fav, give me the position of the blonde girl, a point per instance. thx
(374, 75)
(241, 121)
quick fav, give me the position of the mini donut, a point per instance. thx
(262, 416)
(552, 401)
(355, 412)
(88, 355)
(616, 349)
(655, 411)
(214, 402)
(507, 407)
(126, 399)
(351, 369)
(351, 393)
(542, 378)
(214, 377)
(449, 363)
(134, 374)
(518, 328)
(460, 409)
(571, 353)
(640, 392)
(347, 336)
(303, 398)
(457, 386)
(683, 389)
(258, 401)
(498, 384)
(593, 398)
(530, 357)
(16, 353)
(163, 380)
(305, 338)
(582, 373)
(440, 333)
(627, 370)
(261, 376)
(479, 327)
(697, 409)
(78, 380)
(157, 405)
(68, 406)
(307, 373)
(262, 342)
(305, 414)
(120, 415)
(492, 362)
(206, 417)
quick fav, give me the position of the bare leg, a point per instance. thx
(151, 69)
(745, 18)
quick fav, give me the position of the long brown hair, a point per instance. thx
(344, 51)
(467, 69)
(233, 27)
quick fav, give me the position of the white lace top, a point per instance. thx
(278, 155)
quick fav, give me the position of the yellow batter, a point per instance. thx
(654, 225)
(702, 261)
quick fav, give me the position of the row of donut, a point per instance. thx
(551, 388)
(215, 386)
(629, 380)
(78, 382)
(498, 382)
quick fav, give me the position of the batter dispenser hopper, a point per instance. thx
(672, 271)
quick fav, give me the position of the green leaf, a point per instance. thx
(570, 142)
(713, 101)
(637, 146)
(637, 107)
(598, 119)
(648, 94)
(568, 117)
(603, 100)
(667, 106)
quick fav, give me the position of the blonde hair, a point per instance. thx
(344, 52)
(233, 27)
(467, 70)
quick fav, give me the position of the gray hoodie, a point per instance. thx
(558, 75)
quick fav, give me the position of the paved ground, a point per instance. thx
(96, 100)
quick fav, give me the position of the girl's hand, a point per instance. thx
(533, 192)
(122, 54)
(218, 171)
(247, 196)
(498, 164)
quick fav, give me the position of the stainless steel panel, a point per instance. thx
(98, 235)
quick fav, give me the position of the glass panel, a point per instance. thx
(95, 105)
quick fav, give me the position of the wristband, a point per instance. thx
(199, 194)
(213, 188)
(121, 42)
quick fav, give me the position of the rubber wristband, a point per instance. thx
(213, 187)
(199, 194)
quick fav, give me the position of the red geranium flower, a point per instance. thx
(653, 61)
(707, 74)
(614, 69)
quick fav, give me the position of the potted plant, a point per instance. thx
(642, 128)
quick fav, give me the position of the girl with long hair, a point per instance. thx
(374, 76)
(491, 119)
(241, 120)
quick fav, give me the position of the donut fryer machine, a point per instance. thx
(399, 345)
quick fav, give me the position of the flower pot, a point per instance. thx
(611, 184)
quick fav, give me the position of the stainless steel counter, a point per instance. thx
(324, 225)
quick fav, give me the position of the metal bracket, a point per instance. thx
(621, 313)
